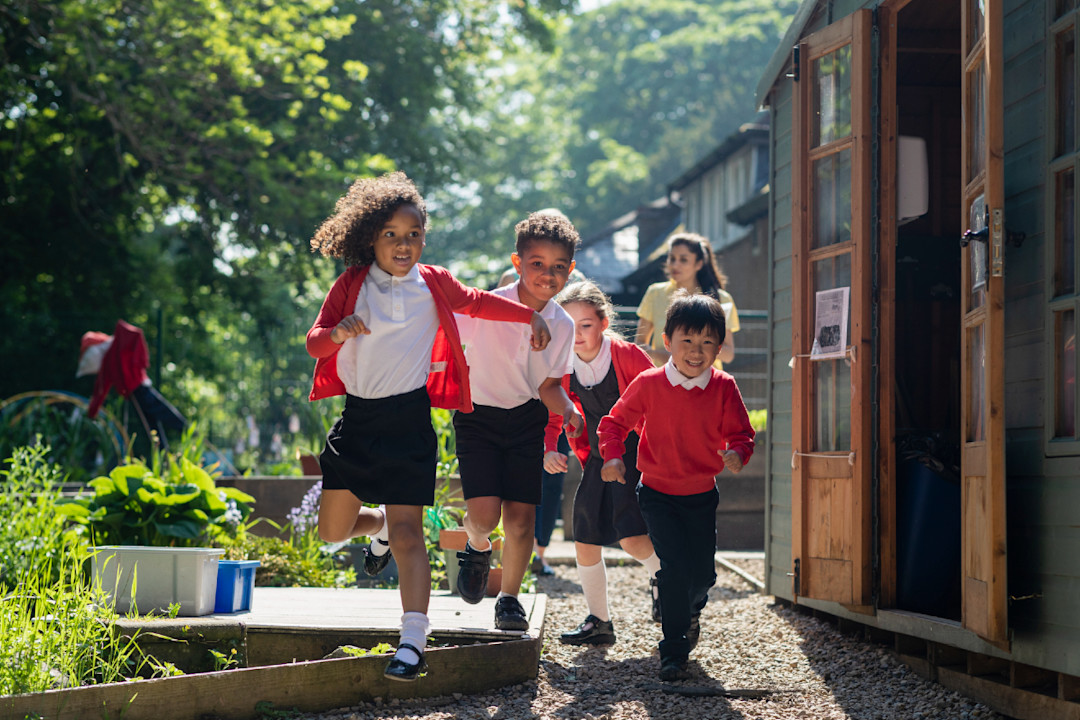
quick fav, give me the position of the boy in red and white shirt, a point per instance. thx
(694, 424)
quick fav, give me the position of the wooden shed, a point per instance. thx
(923, 447)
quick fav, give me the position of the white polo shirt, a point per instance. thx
(504, 371)
(395, 358)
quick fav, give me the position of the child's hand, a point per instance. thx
(573, 424)
(541, 336)
(614, 470)
(349, 327)
(554, 462)
(732, 461)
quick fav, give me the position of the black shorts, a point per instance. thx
(606, 512)
(501, 452)
(383, 450)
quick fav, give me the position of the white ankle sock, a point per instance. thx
(380, 541)
(414, 631)
(594, 586)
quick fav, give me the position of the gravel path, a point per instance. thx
(756, 659)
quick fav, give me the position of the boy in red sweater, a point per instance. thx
(694, 424)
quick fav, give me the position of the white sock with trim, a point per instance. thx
(414, 631)
(594, 587)
(380, 541)
(652, 564)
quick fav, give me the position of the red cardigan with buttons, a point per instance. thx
(448, 379)
(628, 360)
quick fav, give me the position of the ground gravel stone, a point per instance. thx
(757, 659)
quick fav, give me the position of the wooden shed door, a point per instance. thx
(982, 493)
(831, 321)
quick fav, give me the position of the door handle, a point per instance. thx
(980, 235)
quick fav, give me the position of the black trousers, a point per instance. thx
(683, 532)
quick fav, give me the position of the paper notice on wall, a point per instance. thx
(830, 323)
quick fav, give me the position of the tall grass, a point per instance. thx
(55, 630)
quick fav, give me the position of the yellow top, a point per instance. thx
(654, 305)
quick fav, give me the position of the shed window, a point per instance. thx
(1064, 306)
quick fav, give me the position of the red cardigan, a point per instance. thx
(628, 360)
(683, 430)
(448, 379)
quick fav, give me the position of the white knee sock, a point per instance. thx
(594, 586)
(414, 631)
(380, 541)
(652, 564)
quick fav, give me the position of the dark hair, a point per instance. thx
(589, 293)
(709, 278)
(695, 313)
(547, 225)
(369, 204)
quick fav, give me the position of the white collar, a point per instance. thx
(384, 278)
(677, 379)
(592, 372)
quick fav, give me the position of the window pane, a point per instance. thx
(832, 99)
(977, 122)
(832, 395)
(1065, 234)
(976, 21)
(976, 385)
(978, 258)
(1065, 79)
(1065, 374)
(832, 378)
(1063, 6)
(832, 199)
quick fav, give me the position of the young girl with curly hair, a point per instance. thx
(386, 338)
(691, 266)
(603, 366)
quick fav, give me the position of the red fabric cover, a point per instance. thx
(448, 380)
(123, 367)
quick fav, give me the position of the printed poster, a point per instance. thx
(830, 323)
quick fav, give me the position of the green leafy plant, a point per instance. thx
(447, 462)
(758, 419)
(175, 503)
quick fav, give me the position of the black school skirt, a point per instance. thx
(383, 450)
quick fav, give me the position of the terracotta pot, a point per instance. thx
(309, 465)
(494, 581)
(455, 538)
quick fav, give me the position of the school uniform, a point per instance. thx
(500, 445)
(683, 421)
(383, 448)
(603, 512)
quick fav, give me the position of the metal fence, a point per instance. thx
(750, 366)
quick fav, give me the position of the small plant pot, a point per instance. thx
(494, 581)
(309, 465)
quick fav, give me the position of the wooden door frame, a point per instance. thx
(853, 29)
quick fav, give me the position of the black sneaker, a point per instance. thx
(473, 574)
(509, 615)
(593, 631)
(654, 596)
(375, 564)
(693, 633)
(672, 669)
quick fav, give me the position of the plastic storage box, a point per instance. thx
(149, 579)
(235, 585)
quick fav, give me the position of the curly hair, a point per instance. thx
(710, 277)
(550, 225)
(369, 204)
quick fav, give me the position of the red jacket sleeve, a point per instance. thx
(624, 416)
(735, 424)
(480, 303)
(319, 344)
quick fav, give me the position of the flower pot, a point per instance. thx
(494, 581)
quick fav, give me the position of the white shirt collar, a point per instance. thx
(677, 379)
(592, 372)
(383, 278)
(549, 307)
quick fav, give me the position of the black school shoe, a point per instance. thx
(375, 564)
(402, 671)
(654, 596)
(593, 631)
(473, 574)
(509, 615)
(693, 633)
(673, 669)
